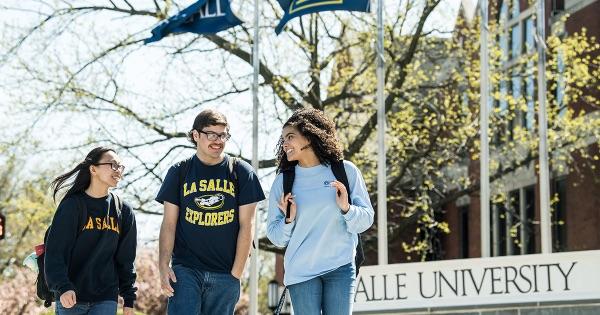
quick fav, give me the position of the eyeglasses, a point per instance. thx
(213, 136)
(114, 166)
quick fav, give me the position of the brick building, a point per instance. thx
(576, 215)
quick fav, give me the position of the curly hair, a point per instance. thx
(320, 132)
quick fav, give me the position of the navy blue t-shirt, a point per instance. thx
(208, 223)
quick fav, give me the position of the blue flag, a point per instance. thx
(202, 17)
(294, 8)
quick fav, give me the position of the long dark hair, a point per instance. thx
(320, 132)
(81, 174)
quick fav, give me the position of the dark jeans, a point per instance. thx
(332, 293)
(203, 292)
(92, 308)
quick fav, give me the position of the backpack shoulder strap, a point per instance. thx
(82, 210)
(184, 169)
(339, 172)
(288, 179)
(232, 167)
(279, 307)
(118, 204)
(232, 162)
(289, 175)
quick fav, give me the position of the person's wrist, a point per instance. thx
(163, 267)
(346, 208)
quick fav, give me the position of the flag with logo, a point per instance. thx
(295, 8)
(202, 17)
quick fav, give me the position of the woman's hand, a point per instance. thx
(68, 299)
(283, 202)
(128, 311)
(341, 196)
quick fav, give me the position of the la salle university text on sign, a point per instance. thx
(479, 281)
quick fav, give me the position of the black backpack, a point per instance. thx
(42, 290)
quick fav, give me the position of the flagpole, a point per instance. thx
(545, 225)
(484, 166)
(382, 235)
(254, 258)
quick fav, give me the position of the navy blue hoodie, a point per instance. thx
(96, 262)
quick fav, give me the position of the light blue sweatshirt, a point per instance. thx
(321, 238)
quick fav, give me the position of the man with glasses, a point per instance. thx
(208, 223)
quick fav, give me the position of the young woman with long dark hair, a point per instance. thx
(91, 244)
(321, 232)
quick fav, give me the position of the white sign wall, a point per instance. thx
(479, 281)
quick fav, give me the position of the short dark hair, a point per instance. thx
(207, 117)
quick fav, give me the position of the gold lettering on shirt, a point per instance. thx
(209, 185)
(89, 225)
(191, 190)
(102, 224)
(209, 218)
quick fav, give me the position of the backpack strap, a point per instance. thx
(232, 163)
(118, 205)
(340, 174)
(184, 169)
(82, 211)
(81, 217)
(279, 307)
(289, 175)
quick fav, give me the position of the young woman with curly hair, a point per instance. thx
(321, 232)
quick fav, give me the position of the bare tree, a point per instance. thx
(87, 62)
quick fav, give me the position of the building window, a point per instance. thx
(529, 226)
(515, 91)
(560, 84)
(516, 41)
(499, 227)
(463, 219)
(558, 6)
(527, 40)
(513, 223)
(515, 9)
(559, 215)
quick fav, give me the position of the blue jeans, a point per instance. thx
(203, 292)
(92, 308)
(332, 293)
